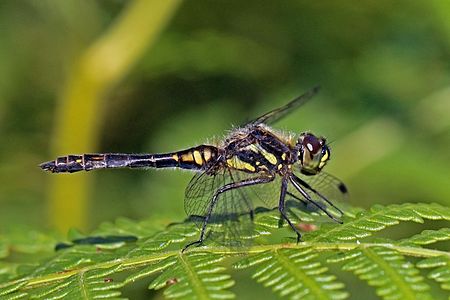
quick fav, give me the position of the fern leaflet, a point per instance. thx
(289, 269)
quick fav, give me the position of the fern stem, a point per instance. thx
(406, 250)
(316, 289)
(155, 257)
(193, 278)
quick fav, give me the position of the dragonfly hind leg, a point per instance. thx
(215, 198)
(281, 208)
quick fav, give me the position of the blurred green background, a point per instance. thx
(154, 76)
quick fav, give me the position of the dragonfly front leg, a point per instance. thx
(307, 197)
(307, 186)
(215, 198)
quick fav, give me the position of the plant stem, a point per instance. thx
(129, 263)
(80, 110)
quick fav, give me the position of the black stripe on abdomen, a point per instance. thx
(193, 158)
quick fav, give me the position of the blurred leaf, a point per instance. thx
(80, 112)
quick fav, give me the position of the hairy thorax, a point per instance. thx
(258, 149)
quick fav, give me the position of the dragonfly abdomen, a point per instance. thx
(193, 158)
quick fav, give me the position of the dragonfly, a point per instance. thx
(254, 162)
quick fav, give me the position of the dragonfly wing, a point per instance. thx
(266, 195)
(328, 185)
(229, 223)
(278, 113)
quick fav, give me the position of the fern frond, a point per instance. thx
(83, 271)
(427, 237)
(441, 272)
(291, 270)
(439, 264)
(378, 218)
(11, 290)
(91, 284)
(26, 241)
(195, 276)
(7, 270)
(387, 270)
(294, 273)
(125, 226)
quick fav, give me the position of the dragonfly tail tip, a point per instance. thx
(48, 166)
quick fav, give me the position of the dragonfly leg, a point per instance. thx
(281, 208)
(250, 207)
(306, 185)
(297, 198)
(252, 214)
(215, 198)
(297, 186)
(247, 202)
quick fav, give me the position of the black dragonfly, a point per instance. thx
(253, 162)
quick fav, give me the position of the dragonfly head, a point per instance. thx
(313, 153)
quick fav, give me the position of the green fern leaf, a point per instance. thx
(294, 273)
(440, 264)
(91, 284)
(289, 269)
(427, 237)
(386, 269)
(441, 272)
(124, 226)
(378, 218)
(196, 276)
(10, 290)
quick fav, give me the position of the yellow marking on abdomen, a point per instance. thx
(175, 157)
(198, 158)
(207, 154)
(187, 157)
(240, 165)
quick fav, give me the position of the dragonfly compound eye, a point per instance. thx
(314, 153)
(312, 144)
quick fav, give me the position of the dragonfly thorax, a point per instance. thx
(313, 153)
(259, 150)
